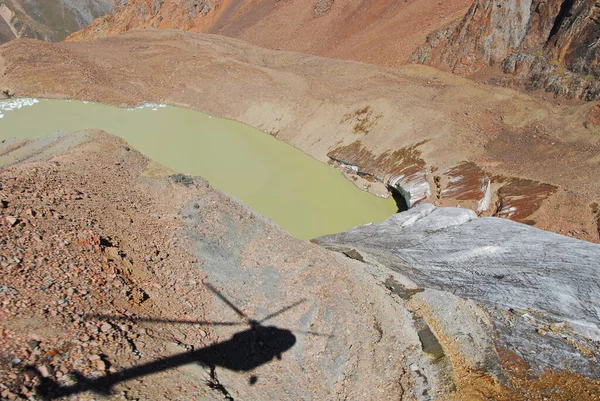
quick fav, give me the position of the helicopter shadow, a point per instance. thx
(243, 352)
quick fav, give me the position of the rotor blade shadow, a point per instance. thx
(228, 302)
(158, 320)
(314, 333)
(244, 352)
(280, 311)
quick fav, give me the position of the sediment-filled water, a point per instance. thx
(302, 195)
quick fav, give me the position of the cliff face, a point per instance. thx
(344, 30)
(51, 20)
(552, 45)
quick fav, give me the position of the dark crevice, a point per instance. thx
(430, 343)
(565, 11)
(214, 384)
(401, 197)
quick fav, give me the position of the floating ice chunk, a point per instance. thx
(15, 104)
(149, 105)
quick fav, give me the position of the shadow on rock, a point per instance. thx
(243, 352)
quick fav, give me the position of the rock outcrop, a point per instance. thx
(552, 45)
(51, 20)
(540, 290)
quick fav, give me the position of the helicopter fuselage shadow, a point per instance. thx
(243, 352)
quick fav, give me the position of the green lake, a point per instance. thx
(302, 195)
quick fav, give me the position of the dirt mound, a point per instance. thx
(382, 32)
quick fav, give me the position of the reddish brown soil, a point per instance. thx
(381, 32)
(96, 230)
(93, 228)
(85, 243)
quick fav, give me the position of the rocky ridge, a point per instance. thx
(551, 45)
(106, 262)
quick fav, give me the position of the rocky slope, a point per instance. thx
(552, 45)
(116, 276)
(428, 134)
(51, 20)
(106, 262)
(382, 32)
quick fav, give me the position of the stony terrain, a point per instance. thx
(108, 268)
(94, 241)
(51, 20)
(382, 32)
(552, 45)
(428, 134)
(73, 246)
(122, 280)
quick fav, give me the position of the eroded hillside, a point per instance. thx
(107, 259)
(122, 279)
(382, 32)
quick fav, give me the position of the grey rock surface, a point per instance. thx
(262, 270)
(541, 289)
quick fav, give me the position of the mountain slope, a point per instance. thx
(6, 32)
(116, 275)
(104, 238)
(382, 32)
